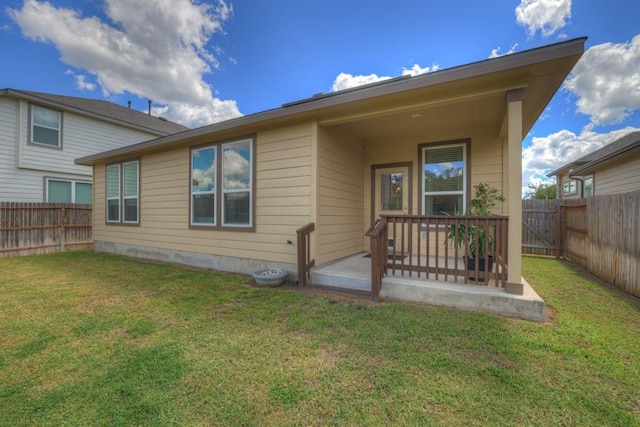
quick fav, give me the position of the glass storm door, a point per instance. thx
(391, 197)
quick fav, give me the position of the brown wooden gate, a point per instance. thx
(540, 225)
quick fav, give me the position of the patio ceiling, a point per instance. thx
(482, 111)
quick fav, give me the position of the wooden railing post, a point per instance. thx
(379, 238)
(305, 263)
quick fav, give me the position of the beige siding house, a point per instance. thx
(232, 195)
(614, 168)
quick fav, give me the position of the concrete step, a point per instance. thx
(340, 280)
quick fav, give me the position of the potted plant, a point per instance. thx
(481, 241)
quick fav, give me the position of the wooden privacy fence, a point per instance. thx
(600, 233)
(612, 241)
(37, 228)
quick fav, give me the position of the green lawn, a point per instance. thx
(89, 339)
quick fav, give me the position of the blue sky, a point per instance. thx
(201, 62)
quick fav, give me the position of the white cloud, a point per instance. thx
(157, 50)
(553, 151)
(198, 115)
(417, 70)
(347, 81)
(204, 179)
(548, 16)
(236, 170)
(495, 53)
(606, 81)
(81, 81)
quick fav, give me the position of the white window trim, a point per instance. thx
(465, 167)
(33, 124)
(137, 196)
(219, 191)
(118, 166)
(73, 182)
(231, 191)
(215, 217)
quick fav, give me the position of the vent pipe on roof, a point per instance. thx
(129, 104)
(149, 101)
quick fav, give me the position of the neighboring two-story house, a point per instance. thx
(614, 168)
(42, 134)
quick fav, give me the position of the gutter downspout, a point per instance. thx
(581, 183)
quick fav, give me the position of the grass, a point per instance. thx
(90, 339)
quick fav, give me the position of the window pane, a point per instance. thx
(59, 191)
(391, 191)
(203, 173)
(45, 117)
(236, 167)
(450, 204)
(130, 210)
(83, 192)
(203, 208)
(588, 186)
(45, 136)
(113, 210)
(236, 208)
(444, 169)
(113, 181)
(130, 179)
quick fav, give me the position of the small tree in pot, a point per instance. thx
(481, 241)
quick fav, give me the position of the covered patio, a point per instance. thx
(354, 273)
(413, 257)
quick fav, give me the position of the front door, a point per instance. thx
(391, 194)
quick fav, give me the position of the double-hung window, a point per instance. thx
(570, 188)
(46, 126)
(67, 191)
(222, 185)
(588, 186)
(123, 192)
(444, 179)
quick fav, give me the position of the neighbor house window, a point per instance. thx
(588, 186)
(444, 179)
(222, 185)
(46, 126)
(570, 188)
(123, 192)
(68, 191)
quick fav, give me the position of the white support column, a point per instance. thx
(514, 194)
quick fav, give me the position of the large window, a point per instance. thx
(222, 185)
(444, 179)
(46, 126)
(123, 195)
(67, 191)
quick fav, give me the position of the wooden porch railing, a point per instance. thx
(305, 263)
(379, 254)
(419, 246)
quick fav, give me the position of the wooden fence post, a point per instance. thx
(63, 233)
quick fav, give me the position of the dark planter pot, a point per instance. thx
(482, 268)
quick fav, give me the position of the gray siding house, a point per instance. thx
(614, 168)
(41, 134)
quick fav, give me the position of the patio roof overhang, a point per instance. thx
(469, 95)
